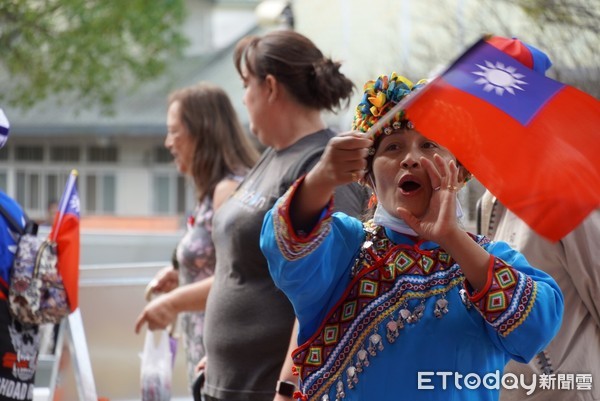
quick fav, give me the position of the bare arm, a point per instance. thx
(223, 191)
(286, 373)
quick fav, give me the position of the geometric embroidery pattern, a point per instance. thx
(496, 301)
(505, 278)
(427, 264)
(330, 334)
(291, 245)
(368, 288)
(315, 356)
(349, 310)
(403, 262)
(509, 299)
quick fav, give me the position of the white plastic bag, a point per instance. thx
(156, 368)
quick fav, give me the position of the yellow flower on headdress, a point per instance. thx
(405, 80)
(369, 86)
(378, 100)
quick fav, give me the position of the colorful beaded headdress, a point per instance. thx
(379, 97)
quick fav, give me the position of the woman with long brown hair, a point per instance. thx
(208, 145)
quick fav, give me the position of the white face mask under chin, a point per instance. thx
(385, 219)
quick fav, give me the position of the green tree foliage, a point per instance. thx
(86, 49)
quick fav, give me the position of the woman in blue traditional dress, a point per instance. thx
(407, 305)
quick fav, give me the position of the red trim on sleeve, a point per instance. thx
(477, 295)
(300, 236)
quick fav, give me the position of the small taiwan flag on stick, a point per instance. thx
(65, 232)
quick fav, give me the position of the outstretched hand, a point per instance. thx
(439, 221)
(158, 314)
(165, 280)
(344, 160)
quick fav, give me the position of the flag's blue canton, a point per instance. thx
(73, 205)
(492, 75)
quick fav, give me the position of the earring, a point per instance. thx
(372, 201)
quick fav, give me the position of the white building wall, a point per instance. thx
(133, 192)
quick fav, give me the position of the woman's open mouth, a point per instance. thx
(409, 186)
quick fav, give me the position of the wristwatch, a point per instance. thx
(285, 388)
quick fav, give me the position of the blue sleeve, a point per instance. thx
(313, 270)
(522, 306)
(8, 237)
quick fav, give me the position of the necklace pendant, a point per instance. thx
(465, 298)
(392, 331)
(339, 391)
(375, 344)
(362, 360)
(352, 377)
(405, 314)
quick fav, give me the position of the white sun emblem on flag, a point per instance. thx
(74, 204)
(499, 78)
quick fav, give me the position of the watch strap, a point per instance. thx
(285, 388)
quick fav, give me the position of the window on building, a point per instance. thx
(162, 194)
(102, 154)
(21, 177)
(65, 153)
(100, 193)
(162, 155)
(35, 190)
(170, 194)
(29, 189)
(90, 193)
(4, 153)
(33, 198)
(55, 186)
(181, 195)
(3, 181)
(109, 194)
(29, 153)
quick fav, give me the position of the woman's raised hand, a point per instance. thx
(440, 219)
(344, 159)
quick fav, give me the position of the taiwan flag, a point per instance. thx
(65, 232)
(532, 141)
